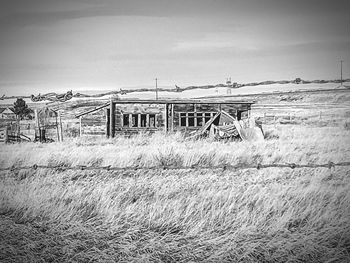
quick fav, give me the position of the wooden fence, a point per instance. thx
(6, 136)
(301, 113)
(278, 118)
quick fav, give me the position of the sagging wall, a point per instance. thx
(194, 116)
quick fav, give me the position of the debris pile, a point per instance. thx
(224, 126)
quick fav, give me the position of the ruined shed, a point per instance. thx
(131, 116)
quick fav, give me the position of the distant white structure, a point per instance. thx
(7, 113)
(229, 86)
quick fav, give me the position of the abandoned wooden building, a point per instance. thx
(130, 116)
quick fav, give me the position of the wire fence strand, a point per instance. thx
(257, 166)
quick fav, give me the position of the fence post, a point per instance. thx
(60, 126)
(37, 125)
(18, 128)
(112, 119)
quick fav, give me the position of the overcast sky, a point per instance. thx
(58, 45)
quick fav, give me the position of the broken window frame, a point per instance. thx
(194, 119)
(139, 120)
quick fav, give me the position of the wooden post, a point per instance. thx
(195, 119)
(139, 120)
(57, 131)
(60, 126)
(166, 118)
(107, 122)
(130, 120)
(112, 119)
(186, 119)
(147, 120)
(18, 128)
(172, 117)
(37, 123)
(80, 126)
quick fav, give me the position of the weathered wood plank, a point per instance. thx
(112, 119)
(183, 101)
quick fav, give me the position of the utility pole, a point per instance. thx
(156, 89)
(341, 72)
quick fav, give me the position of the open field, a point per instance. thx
(299, 104)
(211, 215)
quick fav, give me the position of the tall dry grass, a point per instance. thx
(268, 215)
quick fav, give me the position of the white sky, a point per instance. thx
(58, 45)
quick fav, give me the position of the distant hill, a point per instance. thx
(195, 91)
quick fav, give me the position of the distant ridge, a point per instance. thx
(179, 89)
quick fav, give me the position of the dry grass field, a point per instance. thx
(180, 215)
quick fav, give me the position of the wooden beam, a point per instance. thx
(90, 111)
(184, 101)
(147, 120)
(112, 119)
(166, 118)
(36, 116)
(195, 119)
(107, 122)
(57, 129)
(172, 117)
(60, 125)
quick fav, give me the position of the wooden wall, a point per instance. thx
(144, 113)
